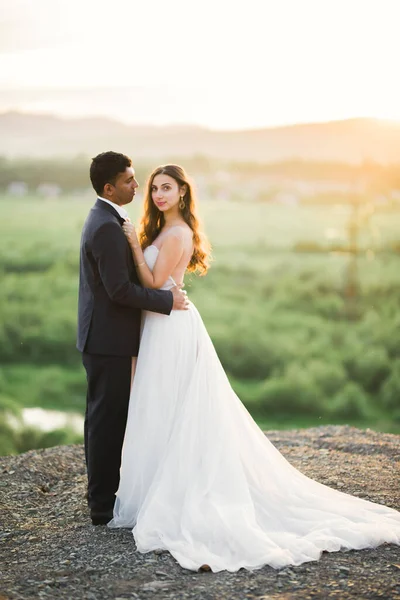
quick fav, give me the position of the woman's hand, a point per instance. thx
(130, 232)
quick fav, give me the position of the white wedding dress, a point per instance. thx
(201, 480)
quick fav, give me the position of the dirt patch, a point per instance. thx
(49, 549)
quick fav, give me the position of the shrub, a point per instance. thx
(369, 368)
(30, 438)
(350, 403)
(329, 377)
(390, 394)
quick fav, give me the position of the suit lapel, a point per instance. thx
(104, 206)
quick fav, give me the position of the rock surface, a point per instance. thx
(49, 549)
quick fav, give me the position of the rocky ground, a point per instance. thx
(49, 549)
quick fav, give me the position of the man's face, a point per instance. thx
(125, 187)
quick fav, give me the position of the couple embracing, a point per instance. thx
(171, 452)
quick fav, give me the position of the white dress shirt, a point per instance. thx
(120, 209)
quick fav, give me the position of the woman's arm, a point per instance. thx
(169, 256)
(108, 249)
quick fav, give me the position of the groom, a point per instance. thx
(109, 313)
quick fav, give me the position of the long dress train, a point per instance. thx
(201, 480)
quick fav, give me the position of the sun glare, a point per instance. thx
(225, 66)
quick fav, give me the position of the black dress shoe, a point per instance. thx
(101, 518)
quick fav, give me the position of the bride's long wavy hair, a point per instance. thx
(153, 220)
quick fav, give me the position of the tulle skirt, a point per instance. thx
(201, 480)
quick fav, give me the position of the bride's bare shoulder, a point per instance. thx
(181, 231)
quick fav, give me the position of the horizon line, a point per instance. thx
(177, 125)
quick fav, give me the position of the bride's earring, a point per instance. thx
(182, 203)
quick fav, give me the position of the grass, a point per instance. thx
(298, 352)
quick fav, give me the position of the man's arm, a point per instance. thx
(109, 251)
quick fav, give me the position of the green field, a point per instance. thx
(297, 350)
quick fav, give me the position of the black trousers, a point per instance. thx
(108, 390)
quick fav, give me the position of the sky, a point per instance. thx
(213, 63)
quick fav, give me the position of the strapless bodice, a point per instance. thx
(150, 256)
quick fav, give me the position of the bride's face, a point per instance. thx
(165, 192)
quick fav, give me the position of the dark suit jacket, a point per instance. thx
(110, 295)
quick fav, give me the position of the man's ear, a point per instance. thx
(108, 189)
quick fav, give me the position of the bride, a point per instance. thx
(198, 476)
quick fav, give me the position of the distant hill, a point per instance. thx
(351, 140)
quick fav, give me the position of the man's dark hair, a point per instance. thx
(106, 167)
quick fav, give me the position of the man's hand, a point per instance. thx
(181, 301)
